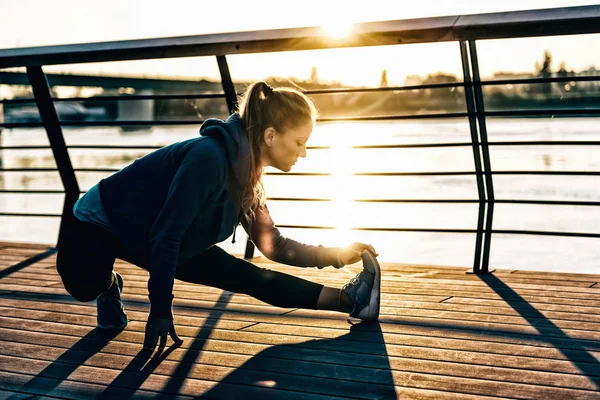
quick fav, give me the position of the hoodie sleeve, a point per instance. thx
(265, 235)
(200, 174)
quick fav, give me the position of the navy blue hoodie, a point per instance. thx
(177, 201)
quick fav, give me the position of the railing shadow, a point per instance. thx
(61, 368)
(139, 369)
(584, 361)
(26, 263)
(323, 366)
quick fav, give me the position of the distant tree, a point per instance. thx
(314, 78)
(543, 71)
(384, 80)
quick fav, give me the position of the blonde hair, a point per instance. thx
(261, 107)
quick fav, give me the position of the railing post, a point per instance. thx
(476, 154)
(227, 83)
(487, 164)
(231, 98)
(43, 99)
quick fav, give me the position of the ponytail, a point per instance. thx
(261, 107)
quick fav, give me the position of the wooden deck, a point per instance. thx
(442, 334)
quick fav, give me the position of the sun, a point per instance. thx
(337, 29)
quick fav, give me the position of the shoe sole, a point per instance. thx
(373, 311)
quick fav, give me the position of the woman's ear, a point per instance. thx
(269, 136)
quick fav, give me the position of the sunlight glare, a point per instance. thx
(342, 174)
(337, 29)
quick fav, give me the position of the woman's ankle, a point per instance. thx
(334, 300)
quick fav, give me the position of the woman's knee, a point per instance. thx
(81, 291)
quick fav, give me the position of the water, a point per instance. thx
(341, 160)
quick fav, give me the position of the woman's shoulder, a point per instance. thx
(206, 146)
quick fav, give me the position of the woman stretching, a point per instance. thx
(166, 211)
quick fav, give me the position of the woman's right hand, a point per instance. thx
(159, 328)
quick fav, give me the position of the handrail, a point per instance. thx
(545, 22)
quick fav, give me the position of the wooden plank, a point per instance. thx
(432, 342)
(138, 274)
(197, 377)
(569, 313)
(90, 319)
(557, 275)
(202, 380)
(400, 359)
(281, 334)
(199, 289)
(526, 336)
(27, 282)
(395, 356)
(7, 394)
(473, 315)
(69, 389)
(566, 299)
(481, 308)
(330, 364)
(413, 295)
(523, 306)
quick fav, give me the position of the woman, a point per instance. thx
(166, 211)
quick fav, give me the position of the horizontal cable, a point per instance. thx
(521, 81)
(115, 147)
(390, 201)
(370, 147)
(297, 174)
(550, 202)
(32, 191)
(545, 233)
(145, 97)
(426, 230)
(395, 117)
(301, 199)
(298, 199)
(11, 125)
(384, 89)
(382, 229)
(513, 113)
(582, 173)
(418, 201)
(546, 143)
(413, 173)
(25, 147)
(56, 170)
(3, 214)
(416, 145)
(122, 97)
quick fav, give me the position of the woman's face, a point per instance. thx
(282, 150)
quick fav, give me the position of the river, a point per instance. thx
(342, 161)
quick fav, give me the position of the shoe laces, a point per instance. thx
(356, 280)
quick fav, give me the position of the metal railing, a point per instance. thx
(465, 30)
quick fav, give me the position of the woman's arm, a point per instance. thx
(200, 174)
(265, 235)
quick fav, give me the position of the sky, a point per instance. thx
(27, 23)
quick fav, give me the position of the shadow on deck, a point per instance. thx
(442, 335)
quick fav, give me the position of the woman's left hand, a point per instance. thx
(353, 253)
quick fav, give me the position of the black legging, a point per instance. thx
(87, 253)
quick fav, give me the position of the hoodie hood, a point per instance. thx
(232, 133)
